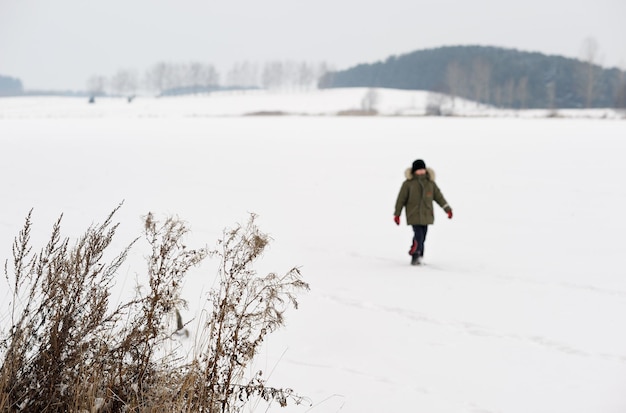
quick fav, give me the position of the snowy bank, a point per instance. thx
(327, 102)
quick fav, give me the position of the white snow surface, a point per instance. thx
(521, 305)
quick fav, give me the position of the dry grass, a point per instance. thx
(358, 112)
(68, 350)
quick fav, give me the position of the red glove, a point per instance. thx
(449, 214)
(396, 220)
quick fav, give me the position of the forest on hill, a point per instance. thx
(505, 78)
(10, 86)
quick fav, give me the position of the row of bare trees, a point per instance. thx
(476, 85)
(197, 77)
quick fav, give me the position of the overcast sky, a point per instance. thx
(59, 44)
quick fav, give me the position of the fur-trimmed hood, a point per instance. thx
(429, 172)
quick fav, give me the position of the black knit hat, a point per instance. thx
(418, 164)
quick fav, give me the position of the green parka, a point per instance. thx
(417, 195)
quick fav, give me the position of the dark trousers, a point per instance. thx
(419, 238)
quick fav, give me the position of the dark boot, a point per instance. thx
(416, 259)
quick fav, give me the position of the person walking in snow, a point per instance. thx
(416, 196)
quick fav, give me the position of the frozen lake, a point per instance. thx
(520, 307)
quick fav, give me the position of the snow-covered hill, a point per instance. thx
(520, 307)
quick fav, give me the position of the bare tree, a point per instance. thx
(124, 82)
(291, 74)
(164, 76)
(480, 80)
(435, 103)
(370, 100)
(454, 80)
(497, 96)
(175, 76)
(551, 97)
(199, 76)
(272, 75)
(96, 85)
(508, 93)
(209, 76)
(522, 91)
(620, 94)
(194, 75)
(156, 77)
(322, 71)
(243, 74)
(589, 53)
(306, 76)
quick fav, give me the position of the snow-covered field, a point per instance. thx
(521, 305)
(327, 102)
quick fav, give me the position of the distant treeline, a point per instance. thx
(170, 78)
(501, 77)
(10, 86)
